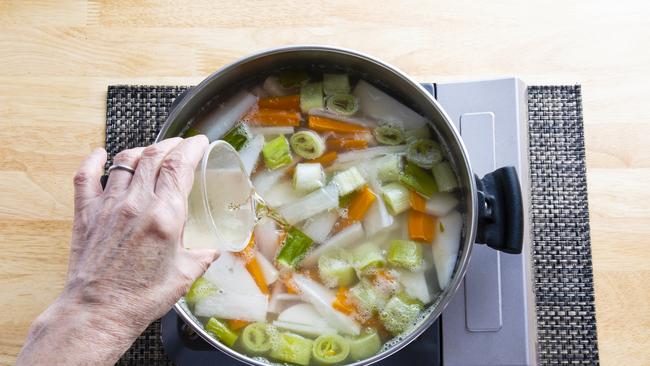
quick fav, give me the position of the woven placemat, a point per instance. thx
(560, 220)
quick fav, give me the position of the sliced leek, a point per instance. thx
(277, 153)
(349, 181)
(418, 180)
(296, 245)
(398, 315)
(221, 332)
(307, 144)
(311, 96)
(336, 84)
(291, 348)
(389, 134)
(445, 177)
(396, 197)
(365, 345)
(388, 168)
(424, 153)
(335, 269)
(256, 338)
(342, 104)
(330, 349)
(405, 254)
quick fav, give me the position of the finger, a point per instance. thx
(177, 170)
(118, 179)
(196, 262)
(149, 165)
(86, 179)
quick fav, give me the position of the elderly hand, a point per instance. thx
(127, 264)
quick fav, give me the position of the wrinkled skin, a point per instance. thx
(127, 264)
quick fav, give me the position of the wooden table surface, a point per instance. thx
(57, 58)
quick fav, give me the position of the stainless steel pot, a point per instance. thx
(491, 206)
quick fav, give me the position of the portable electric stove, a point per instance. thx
(491, 320)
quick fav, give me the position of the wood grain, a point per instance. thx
(56, 59)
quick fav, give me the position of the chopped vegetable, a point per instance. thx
(330, 349)
(277, 153)
(446, 245)
(286, 102)
(326, 159)
(201, 288)
(319, 227)
(307, 144)
(221, 332)
(310, 205)
(255, 270)
(367, 299)
(424, 153)
(359, 205)
(389, 168)
(256, 338)
(236, 324)
(229, 274)
(381, 106)
(304, 330)
(445, 177)
(441, 204)
(296, 245)
(282, 194)
(275, 117)
(418, 180)
(268, 270)
(250, 153)
(273, 86)
(221, 119)
(398, 316)
(389, 134)
(238, 136)
(335, 269)
(361, 121)
(344, 143)
(342, 104)
(365, 345)
(336, 84)
(293, 78)
(264, 180)
(308, 177)
(342, 301)
(342, 239)
(322, 298)
(348, 181)
(272, 131)
(396, 197)
(377, 218)
(417, 202)
(415, 285)
(367, 257)
(311, 96)
(233, 305)
(305, 320)
(370, 153)
(267, 237)
(322, 124)
(291, 348)
(417, 134)
(405, 254)
(421, 226)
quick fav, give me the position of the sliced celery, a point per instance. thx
(367, 257)
(201, 288)
(335, 269)
(342, 104)
(424, 153)
(396, 197)
(388, 168)
(336, 84)
(292, 78)
(349, 181)
(418, 180)
(389, 134)
(296, 245)
(445, 177)
(330, 349)
(311, 96)
(398, 315)
(277, 153)
(405, 254)
(238, 136)
(221, 331)
(256, 338)
(365, 345)
(308, 177)
(307, 144)
(292, 348)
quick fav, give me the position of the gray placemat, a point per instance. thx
(560, 219)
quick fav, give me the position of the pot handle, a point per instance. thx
(500, 211)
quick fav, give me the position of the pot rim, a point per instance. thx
(470, 218)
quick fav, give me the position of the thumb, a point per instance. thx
(196, 262)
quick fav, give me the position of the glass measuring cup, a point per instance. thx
(221, 206)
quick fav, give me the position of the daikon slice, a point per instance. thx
(230, 275)
(440, 204)
(282, 193)
(303, 329)
(303, 314)
(222, 118)
(250, 153)
(445, 246)
(319, 227)
(269, 271)
(322, 298)
(376, 104)
(415, 285)
(232, 305)
(343, 238)
(267, 237)
(318, 201)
